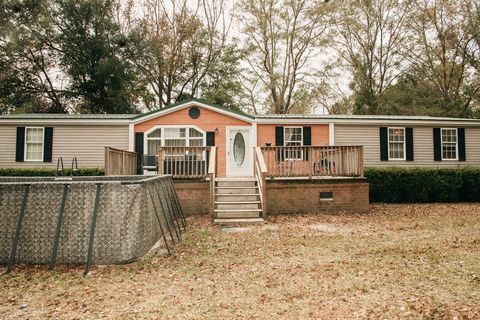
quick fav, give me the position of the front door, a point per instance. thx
(239, 152)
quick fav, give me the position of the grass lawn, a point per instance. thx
(400, 261)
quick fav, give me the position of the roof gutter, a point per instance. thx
(469, 123)
(80, 122)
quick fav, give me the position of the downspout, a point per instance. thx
(331, 134)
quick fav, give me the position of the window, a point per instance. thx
(449, 144)
(34, 144)
(396, 143)
(174, 137)
(293, 137)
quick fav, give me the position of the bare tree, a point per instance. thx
(372, 40)
(442, 38)
(471, 9)
(283, 38)
(183, 42)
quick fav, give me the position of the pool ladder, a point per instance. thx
(61, 169)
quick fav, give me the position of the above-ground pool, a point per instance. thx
(85, 220)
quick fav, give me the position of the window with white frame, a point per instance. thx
(396, 143)
(293, 137)
(34, 143)
(174, 137)
(449, 144)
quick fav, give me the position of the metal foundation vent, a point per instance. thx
(326, 196)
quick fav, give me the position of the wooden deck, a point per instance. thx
(313, 162)
(242, 198)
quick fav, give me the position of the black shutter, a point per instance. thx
(279, 141)
(307, 136)
(307, 139)
(279, 136)
(409, 143)
(383, 144)
(437, 144)
(210, 139)
(139, 150)
(47, 144)
(20, 147)
(462, 156)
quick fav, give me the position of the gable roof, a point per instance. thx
(193, 102)
(124, 118)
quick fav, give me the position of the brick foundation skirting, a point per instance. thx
(194, 196)
(293, 196)
(288, 196)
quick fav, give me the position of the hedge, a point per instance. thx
(423, 185)
(46, 172)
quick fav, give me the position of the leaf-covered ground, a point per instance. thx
(400, 261)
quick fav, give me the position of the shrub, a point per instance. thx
(47, 172)
(470, 190)
(417, 185)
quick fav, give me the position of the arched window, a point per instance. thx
(174, 137)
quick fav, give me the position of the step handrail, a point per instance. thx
(261, 173)
(212, 163)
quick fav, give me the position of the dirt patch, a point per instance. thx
(234, 229)
(400, 261)
(328, 228)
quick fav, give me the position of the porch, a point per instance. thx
(306, 162)
(277, 173)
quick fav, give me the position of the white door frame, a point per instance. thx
(248, 148)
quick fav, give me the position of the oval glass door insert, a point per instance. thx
(239, 149)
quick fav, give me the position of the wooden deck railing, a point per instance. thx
(314, 161)
(120, 162)
(260, 170)
(212, 171)
(184, 162)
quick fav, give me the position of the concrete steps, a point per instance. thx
(237, 201)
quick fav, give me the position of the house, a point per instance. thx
(291, 146)
(38, 140)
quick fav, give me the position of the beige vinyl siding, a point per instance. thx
(86, 142)
(369, 137)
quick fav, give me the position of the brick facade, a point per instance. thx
(293, 196)
(208, 121)
(266, 133)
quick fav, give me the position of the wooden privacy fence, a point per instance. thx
(120, 162)
(314, 161)
(184, 162)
